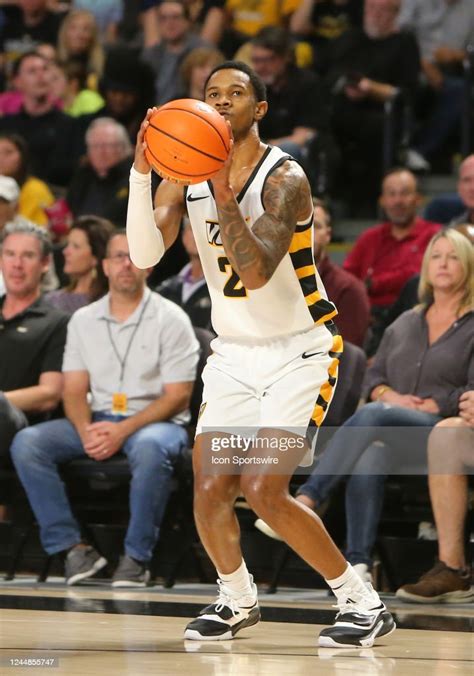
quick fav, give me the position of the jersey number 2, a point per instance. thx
(233, 288)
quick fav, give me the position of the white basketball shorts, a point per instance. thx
(282, 383)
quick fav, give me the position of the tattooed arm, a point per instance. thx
(256, 252)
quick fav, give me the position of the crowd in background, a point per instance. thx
(366, 94)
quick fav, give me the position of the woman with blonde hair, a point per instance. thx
(79, 39)
(423, 365)
(196, 68)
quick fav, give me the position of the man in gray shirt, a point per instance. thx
(129, 367)
(176, 41)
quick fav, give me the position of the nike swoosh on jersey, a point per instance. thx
(195, 199)
(307, 355)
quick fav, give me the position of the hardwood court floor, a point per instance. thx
(93, 630)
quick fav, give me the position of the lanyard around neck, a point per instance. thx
(123, 360)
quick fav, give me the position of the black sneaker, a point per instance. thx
(361, 619)
(225, 617)
(131, 573)
(81, 563)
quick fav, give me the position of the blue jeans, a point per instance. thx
(366, 456)
(151, 451)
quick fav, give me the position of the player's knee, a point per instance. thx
(208, 493)
(261, 492)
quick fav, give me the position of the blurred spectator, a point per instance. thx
(107, 13)
(385, 256)
(69, 86)
(27, 23)
(9, 203)
(196, 68)
(248, 17)
(435, 345)
(347, 292)
(208, 19)
(188, 288)
(127, 89)
(466, 190)
(35, 194)
(33, 334)
(176, 39)
(287, 124)
(138, 405)
(444, 30)
(367, 68)
(320, 21)
(51, 135)
(449, 581)
(83, 255)
(79, 39)
(100, 186)
(11, 101)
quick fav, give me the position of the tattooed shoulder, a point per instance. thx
(287, 193)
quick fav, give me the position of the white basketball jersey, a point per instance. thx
(293, 300)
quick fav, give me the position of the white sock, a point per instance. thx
(350, 580)
(239, 583)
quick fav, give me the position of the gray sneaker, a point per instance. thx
(81, 563)
(131, 573)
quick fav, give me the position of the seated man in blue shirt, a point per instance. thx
(136, 353)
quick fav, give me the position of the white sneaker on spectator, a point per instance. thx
(266, 530)
(415, 161)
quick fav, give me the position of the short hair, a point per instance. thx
(122, 134)
(399, 170)
(116, 233)
(465, 252)
(184, 5)
(277, 40)
(23, 227)
(17, 64)
(258, 86)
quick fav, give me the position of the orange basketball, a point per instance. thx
(187, 141)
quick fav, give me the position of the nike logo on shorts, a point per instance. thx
(307, 355)
(195, 199)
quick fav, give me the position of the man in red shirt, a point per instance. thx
(346, 291)
(386, 255)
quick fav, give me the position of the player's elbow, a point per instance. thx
(253, 280)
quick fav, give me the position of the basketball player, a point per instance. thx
(275, 359)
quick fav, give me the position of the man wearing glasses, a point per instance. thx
(136, 354)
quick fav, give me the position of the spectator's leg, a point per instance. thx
(364, 502)
(448, 486)
(350, 441)
(152, 453)
(36, 453)
(446, 116)
(11, 421)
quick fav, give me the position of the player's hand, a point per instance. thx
(140, 162)
(466, 407)
(221, 180)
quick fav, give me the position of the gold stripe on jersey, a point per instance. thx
(301, 254)
(327, 389)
